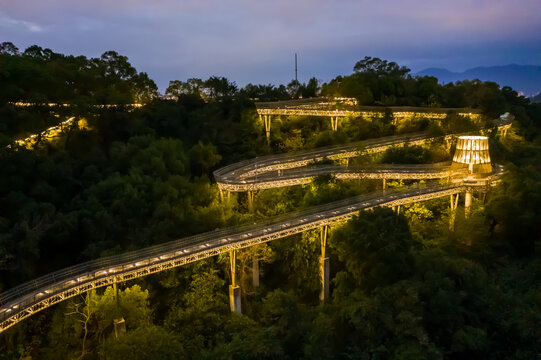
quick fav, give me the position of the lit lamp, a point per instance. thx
(473, 151)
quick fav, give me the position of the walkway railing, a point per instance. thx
(24, 300)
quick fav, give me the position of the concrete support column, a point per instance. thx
(324, 266)
(255, 271)
(384, 184)
(250, 201)
(227, 195)
(267, 120)
(467, 204)
(234, 299)
(117, 297)
(325, 269)
(454, 204)
(447, 144)
(234, 289)
(334, 123)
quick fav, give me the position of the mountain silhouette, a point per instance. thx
(525, 79)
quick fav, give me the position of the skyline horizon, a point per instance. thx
(163, 84)
(255, 42)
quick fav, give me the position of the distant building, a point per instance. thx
(169, 97)
(507, 117)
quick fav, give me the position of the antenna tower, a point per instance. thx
(296, 80)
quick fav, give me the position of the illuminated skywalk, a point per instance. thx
(231, 177)
(293, 169)
(347, 107)
(29, 298)
(305, 175)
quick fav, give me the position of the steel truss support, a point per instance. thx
(324, 266)
(179, 253)
(234, 289)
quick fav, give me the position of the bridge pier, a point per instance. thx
(467, 204)
(384, 183)
(251, 201)
(454, 205)
(448, 143)
(334, 123)
(255, 271)
(324, 266)
(502, 130)
(234, 289)
(228, 195)
(267, 120)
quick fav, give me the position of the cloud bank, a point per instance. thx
(255, 40)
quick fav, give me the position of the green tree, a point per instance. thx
(219, 88)
(144, 88)
(375, 249)
(192, 86)
(204, 157)
(151, 342)
(8, 48)
(377, 66)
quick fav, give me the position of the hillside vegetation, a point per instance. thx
(403, 286)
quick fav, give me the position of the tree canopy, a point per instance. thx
(403, 286)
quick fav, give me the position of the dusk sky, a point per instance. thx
(255, 41)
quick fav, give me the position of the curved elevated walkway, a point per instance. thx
(29, 298)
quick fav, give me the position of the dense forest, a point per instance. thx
(403, 286)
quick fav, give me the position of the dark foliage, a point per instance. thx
(403, 286)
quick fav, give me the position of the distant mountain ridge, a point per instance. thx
(522, 78)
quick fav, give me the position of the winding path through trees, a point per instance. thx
(29, 298)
